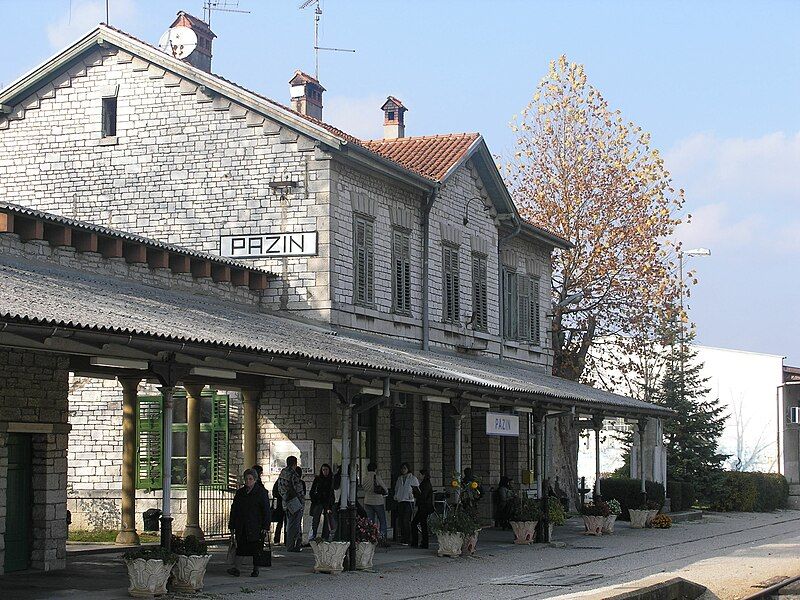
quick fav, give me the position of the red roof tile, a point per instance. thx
(431, 155)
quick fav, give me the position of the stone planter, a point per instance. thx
(608, 524)
(329, 556)
(524, 531)
(365, 552)
(639, 518)
(594, 524)
(650, 516)
(470, 544)
(147, 577)
(450, 544)
(188, 573)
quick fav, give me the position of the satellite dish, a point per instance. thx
(179, 41)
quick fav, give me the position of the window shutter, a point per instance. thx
(479, 292)
(454, 267)
(523, 305)
(407, 272)
(219, 440)
(149, 467)
(369, 263)
(536, 337)
(511, 313)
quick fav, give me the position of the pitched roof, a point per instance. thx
(431, 155)
(42, 293)
(184, 19)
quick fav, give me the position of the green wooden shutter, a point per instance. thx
(219, 440)
(456, 271)
(369, 265)
(523, 304)
(536, 337)
(511, 315)
(149, 467)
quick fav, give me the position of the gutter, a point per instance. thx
(501, 294)
(426, 230)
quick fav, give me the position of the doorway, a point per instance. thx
(19, 499)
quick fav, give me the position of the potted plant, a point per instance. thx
(594, 517)
(556, 515)
(367, 535)
(452, 529)
(652, 508)
(661, 522)
(616, 509)
(329, 556)
(525, 514)
(191, 563)
(149, 568)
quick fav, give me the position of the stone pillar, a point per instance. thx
(642, 426)
(193, 400)
(598, 425)
(250, 398)
(127, 533)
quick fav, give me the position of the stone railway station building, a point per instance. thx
(195, 278)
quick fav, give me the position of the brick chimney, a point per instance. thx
(306, 93)
(201, 56)
(394, 121)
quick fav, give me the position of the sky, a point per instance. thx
(717, 84)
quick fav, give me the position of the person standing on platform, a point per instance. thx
(375, 491)
(249, 521)
(424, 509)
(290, 487)
(322, 501)
(406, 486)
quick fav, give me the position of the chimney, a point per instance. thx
(306, 93)
(201, 56)
(394, 121)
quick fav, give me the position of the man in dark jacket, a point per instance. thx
(424, 500)
(292, 491)
(249, 521)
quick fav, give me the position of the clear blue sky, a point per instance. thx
(716, 83)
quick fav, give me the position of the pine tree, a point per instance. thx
(691, 437)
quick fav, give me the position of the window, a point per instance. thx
(109, 116)
(521, 315)
(450, 281)
(213, 440)
(390, 115)
(401, 272)
(364, 261)
(480, 319)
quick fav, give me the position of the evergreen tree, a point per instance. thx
(691, 437)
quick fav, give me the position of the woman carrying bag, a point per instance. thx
(375, 499)
(249, 522)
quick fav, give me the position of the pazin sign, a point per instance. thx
(269, 245)
(502, 424)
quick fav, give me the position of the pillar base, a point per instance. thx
(127, 537)
(195, 531)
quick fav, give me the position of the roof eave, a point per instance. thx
(365, 156)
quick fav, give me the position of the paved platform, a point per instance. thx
(729, 553)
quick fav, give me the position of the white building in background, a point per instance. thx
(746, 383)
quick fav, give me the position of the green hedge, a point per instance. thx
(628, 492)
(681, 494)
(749, 492)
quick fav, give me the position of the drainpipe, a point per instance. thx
(501, 303)
(426, 214)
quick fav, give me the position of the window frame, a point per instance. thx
(451, 284)
(108, 117)
(401, 271)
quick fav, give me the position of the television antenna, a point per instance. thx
(231, 6)
(317, 47)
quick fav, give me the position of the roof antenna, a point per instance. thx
(107, 23)
(317, 47)
(210, 6)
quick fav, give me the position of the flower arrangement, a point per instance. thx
(189, 546)
(457, 520)
(596, 509)
(615, 506)
(525, 509)
(367, 531)
(555, 511)
(661, 522)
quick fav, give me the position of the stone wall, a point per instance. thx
(34, 402)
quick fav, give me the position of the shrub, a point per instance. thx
(689, 495)
(555, 511)
(750, 492)
(661, 522)
(151, 553)
(615, 507)
(596, 509)
(458, 521)
(675, 495)
(525, 509)
(189, 546)
(628, 492)
(367, 531)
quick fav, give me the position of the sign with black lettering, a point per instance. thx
(502, 424)
(269, 245)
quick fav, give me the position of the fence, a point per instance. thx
(215, 507)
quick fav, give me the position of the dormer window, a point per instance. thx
(390, 115)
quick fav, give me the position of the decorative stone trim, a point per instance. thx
(509, 258)
(109, 91)
(401, 218)
(479, 245)
(524, 531)
(450, 234)
(363, 204)
(533, 267)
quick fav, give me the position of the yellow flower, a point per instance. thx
(454, 483)
(473, 485)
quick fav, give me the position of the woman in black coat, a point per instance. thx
(249, 521)
(322, 501)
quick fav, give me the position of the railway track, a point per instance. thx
(780, 590)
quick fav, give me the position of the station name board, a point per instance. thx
(502, 424)
(269, 245)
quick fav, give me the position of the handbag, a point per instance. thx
(264, 558)
(377, 489)
(231, 558)
(293, 505)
